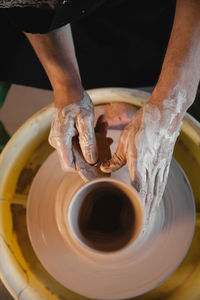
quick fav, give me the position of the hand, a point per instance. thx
(146, 145)
(73, 119)
(91, 172)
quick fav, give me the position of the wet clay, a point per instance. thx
(117, 115)
(87, 171)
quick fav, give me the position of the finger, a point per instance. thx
(65, 154)
(102, 129)
(61, 139)
(87, 139)
(159, 185)
(109, 141)
(158, 190)
(150, 180)
(162, 185)
(116, 162)
(134, 174)
(101, 125)
(119, 158)
(166, 172)
(139, 183)
(141, 188)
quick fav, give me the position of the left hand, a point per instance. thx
(146, 145)
(68, 121)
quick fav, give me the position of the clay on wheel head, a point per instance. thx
(87, 171)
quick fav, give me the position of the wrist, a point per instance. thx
(173, 92)
(172, 104)
(65, 94)
(174, 80)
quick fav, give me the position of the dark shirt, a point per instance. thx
(36, 20)
(117, 42)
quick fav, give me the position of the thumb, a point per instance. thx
(116, 162)
(87, 139)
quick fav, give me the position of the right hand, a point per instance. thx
(73, 119)
(146, 144)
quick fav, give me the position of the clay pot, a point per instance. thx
(105, 215)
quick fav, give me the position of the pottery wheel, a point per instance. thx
(132, 271)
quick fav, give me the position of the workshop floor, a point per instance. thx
(21, 103)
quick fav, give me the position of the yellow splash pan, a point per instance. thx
(20, 270)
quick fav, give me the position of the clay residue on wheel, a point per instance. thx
(33, 265)
(25, 180)
(30, 169)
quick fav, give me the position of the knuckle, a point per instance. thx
(118, 157)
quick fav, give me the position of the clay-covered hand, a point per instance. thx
(146, 145)
(76, 118)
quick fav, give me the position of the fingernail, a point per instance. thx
(68, 168)
(105, 169)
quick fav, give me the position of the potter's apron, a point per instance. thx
(118, 42)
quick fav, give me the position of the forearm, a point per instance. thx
(181, 68)
(56, 53)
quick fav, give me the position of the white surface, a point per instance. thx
(21, 103)
(132, 271)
